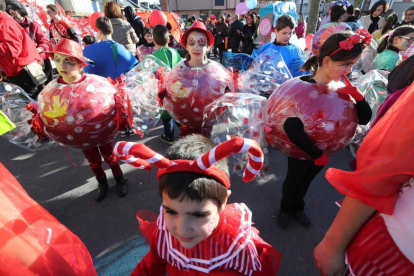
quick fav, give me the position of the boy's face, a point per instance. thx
(189, 221)
(68, 67)
(283, 36)
(197, 45)
(148, 38)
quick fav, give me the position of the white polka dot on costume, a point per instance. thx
(287, 146)
(267, 72)
(144, 127)
(113, 112)
(94, 136)
(313, 94)
(98, 126)
(322, 146)
(147, 113)
(195, 82)
(280, 64)
(329, 126)
(90, 88)
(111, 123)
(70, 119)
(146, 64)
(78, 129)
(195, 109)
(197, 119)
(8, 87)
(183, 106)
(185, 120)
(69, 137)
(85, 144)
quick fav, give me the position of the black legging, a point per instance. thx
(300, 174)
(221, 50)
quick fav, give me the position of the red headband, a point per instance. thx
(361, 36)
(142, 157)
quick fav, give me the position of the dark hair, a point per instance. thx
(389, 39)
(104, 24)
(384, 4)
(160, 35)
(129, 14)
(17, 7)
(331, 45)
(336, 12)
(112, 10)
(285, 21)
(147, 31)
(190, 185)
(254, 18)
(223, 19)
(53, 7)
(89, 40)
(350, 10)
(390, 21)
(357, 13)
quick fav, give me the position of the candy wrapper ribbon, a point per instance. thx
(162, 91)
(362, 36)
(120, 97)
(36, 124)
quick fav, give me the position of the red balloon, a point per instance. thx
(330, 119)
(309, 38)
(79, 115)
(157, 17)
(92, 19)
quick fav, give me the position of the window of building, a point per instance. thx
(219, 2)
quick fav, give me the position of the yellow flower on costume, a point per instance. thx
(58, 108)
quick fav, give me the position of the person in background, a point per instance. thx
(211, 27)
(327, 18)
(235, 33)
(136, 23)
(108, 58)
(387, 26)
(351, 20)
(17, 50)
(222, 30)
(229, 19)
(190, 21)
(34, 30)
(300, 29)
(59, 26)
(88, 40)
(357, 14)
(373, 21)
(408, 18)
(148, 47)
(249, 33)
(123, 33)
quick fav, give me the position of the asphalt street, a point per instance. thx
(110, 230)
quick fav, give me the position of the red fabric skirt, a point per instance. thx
(373, 252)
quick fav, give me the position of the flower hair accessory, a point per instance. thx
(142, 157)
(361, 36)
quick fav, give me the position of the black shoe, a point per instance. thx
(121, 187)
(303, 218)
(167, 140)
(102, 189)
(284, 219)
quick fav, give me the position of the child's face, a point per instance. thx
(148, 38)
(403, 42)
(336, 69)
(283, 36)
(197, 45)
(68, 67)
(189, 221)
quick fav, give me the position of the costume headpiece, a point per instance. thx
(70, 48)
(142, 157)
(361, 36)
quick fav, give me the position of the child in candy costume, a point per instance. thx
(195, 82)
(373, 233)
(148, 47)
(292, 54)
(390, 47)
(310, 117)
(81, 111)
(196, 233)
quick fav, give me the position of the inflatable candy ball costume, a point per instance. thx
(329, 118)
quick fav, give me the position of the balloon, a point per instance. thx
(92, 19)
(241, 8)
(251, 4)
(157, 18)
(309, 38)
(329, 118)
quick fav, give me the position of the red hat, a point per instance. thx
(199, 26)
(142, 157)
(213, 16)
(70, 48)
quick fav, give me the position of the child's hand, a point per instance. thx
(328, 260)
(350, 90)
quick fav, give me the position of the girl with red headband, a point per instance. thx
(196, 233)
(311, 117)
(195, 82)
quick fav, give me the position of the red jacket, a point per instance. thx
(16, 48)
(39, 38)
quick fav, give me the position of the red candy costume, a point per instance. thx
(329, 118)
(234, 248)
(384, 180)
(189, 90)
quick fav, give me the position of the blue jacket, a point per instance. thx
(110, 59)
(292, 55)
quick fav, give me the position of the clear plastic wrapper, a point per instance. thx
(329, 118)
(13, 101)
(368, 56)
(325, 32)
(268, 71)
(143, 51)
(237, 114)
(142, 89)
(238, 61)
(189, 90)
(79, 115)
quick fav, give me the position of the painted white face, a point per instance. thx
(189, 221)
(197, 46)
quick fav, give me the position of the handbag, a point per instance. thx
(35, 71)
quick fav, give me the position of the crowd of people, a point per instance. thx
(309, 117)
